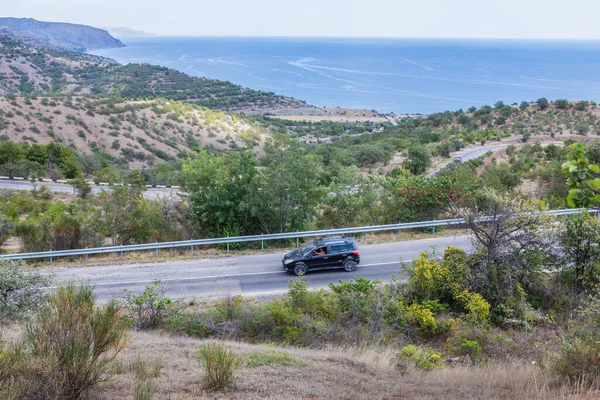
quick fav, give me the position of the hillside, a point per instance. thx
(142, 132)
(448, 132)
(60, 35)
(29, 70)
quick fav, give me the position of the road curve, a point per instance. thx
(251, 275)
(64, 188)
(469, 154)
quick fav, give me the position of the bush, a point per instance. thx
(423, 319)
(20, 292)
(148, 310)
(67, 349)
(579, 357)
(219, 365)
(421, 357)
(476, 307)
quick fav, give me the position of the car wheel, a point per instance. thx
(300, 269)
(349, 265)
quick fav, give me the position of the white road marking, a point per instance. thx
(215, 276)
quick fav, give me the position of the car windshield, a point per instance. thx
(307, 249)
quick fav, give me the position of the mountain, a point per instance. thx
(59, 35)
(123, 32)
(31, 70)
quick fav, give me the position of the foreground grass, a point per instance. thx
(342, 373)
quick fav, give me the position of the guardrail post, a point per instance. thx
(86, 257)
(228, 244)
(156, 250)
(192, 250)
(122, 255)
(365, 236)
(296, 241)
(50, 258)
(433, 231)
(262, 244)
(399, 233)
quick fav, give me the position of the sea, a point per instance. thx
(404, 76)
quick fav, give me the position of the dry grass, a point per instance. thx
(329, 374)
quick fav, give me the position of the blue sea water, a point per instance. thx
(389, 75)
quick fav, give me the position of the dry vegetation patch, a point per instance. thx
(346, 373)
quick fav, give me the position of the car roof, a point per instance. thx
(333, 240)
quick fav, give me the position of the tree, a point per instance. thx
(409, 198)
(81, 187)
(543, 103)
(222, 191)
(443, 149)
(290, 189)
(511, 247)
(418, 160)
(122, 214)
(350, 200)
(583, 178)
(561, 104)
(580, 244)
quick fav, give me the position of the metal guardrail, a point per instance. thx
(92, 183)
(258, 238)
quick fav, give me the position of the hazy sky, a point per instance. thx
(573, 19)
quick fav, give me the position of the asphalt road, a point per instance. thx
(252, 275)
(64, 188)
(469, 155)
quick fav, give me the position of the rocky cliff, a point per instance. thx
(59, 35)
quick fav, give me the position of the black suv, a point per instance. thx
(323, 254)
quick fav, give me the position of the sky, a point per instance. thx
(513, 19)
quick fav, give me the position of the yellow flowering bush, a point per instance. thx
(421, 357)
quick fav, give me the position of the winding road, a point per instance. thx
(250, 275)
(469, 154)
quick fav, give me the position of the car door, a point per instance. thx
(338, 253)
(318, 261)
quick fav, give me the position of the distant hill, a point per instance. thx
(30, 70)
(123, 32)
(60, 35)
(141, 133)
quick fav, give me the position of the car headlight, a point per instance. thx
(289, 260)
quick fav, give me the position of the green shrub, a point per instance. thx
(471, 348)
(188, 324)
(67, 349)
(579, 357)
(148, 310)
(20, 292)
(417, 356)
(476, 307)
(423, 319)
(435, 306)
(219, 365)
(271, 357)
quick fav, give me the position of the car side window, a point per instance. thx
(321, 251)
(341, 248)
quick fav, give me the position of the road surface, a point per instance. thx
(64, 188)
(469, 155)
(251, 275)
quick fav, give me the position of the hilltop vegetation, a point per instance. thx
(28, 70)
(134, 133)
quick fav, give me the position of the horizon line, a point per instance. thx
(156, 35)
